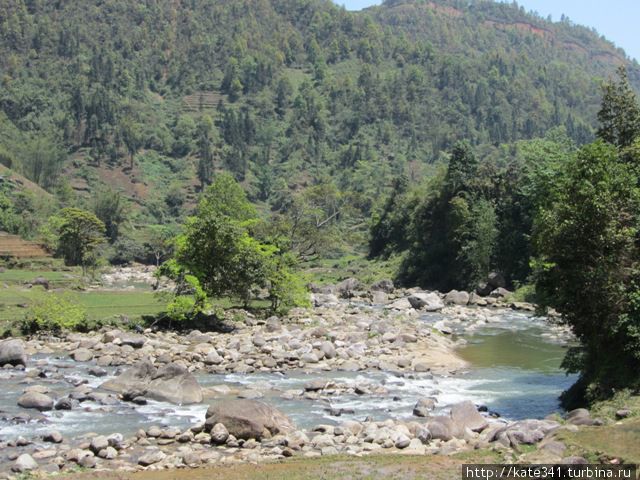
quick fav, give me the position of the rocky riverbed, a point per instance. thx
(361, 372)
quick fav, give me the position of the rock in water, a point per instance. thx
(247, 419)
(423, 407)
(430, 302)
(465, 415)
(35, 400)
(171, 383)
(12, 353)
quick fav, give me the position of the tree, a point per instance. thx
(41, 160)
(587, 241)
(205, 150)
(218, 247)
(79, 234)
(131, 133)
(110, 209)
(619, 114)
(160, 242)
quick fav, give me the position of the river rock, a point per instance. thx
(52, 437)
(465, 415)
(64, 404)
(12, 353)
(441, 428)
(151, 457)
(385, 286)
(623, 413)
(348, 287)
(132, 339)
(171, 383)
(423, 407)
(428, 301)
(98, 443)
(315, 385)
(324, 300)
(454, 297)
(219, 434)
(88, 461)
(245, 419)
(37, 401)
(108, 453)
(24, 463)
(579, 416)
(82, 355)
(499, 293)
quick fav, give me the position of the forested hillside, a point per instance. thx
(315, 110)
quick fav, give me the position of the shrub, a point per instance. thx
(55, 313)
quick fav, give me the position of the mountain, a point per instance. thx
(152, 97)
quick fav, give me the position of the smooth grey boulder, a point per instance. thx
(324, 299)
(428, 301)
(152, 457)
(24, 463)
(455, 297)
(245, 419)
(82, 355)
(35, 400)
(12, 353)
(465, 415)
(441, 428)
(171, 383)
(219, 434)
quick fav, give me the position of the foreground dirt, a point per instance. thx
(374, 467)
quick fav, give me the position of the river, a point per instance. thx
(514, 371)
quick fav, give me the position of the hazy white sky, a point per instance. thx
(618, 20)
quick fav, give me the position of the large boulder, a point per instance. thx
(427, 301)
(12, 353)
(324, 299)
(348, 287)
(465, 415)
(248, 419)
(35, 400)
(171, 383)
(385, 286)
(441, 428)
(496, 280)
(500, 293)
(456, 298)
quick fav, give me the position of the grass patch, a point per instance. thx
(620, 440)
(331, 271)
(55, 277)
(621, 400)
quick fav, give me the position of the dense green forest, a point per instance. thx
(129, 108)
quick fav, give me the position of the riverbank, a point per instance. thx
(390, 350)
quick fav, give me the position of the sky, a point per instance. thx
(615, 19)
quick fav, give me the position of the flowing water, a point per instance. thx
(514, 371)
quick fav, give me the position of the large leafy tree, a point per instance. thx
(588, 268)
(220, 251)
(79, 234)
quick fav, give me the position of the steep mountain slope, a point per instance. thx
(152, 97)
